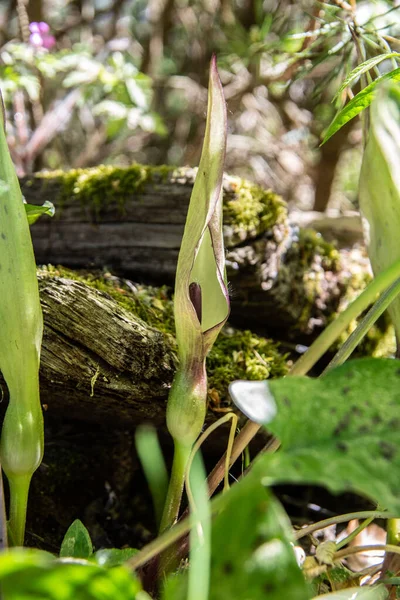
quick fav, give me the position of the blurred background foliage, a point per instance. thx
(116, 81)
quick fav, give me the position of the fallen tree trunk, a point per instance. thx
(102, 363)
(99, 362)
(285, 282)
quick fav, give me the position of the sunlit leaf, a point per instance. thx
(357, 104)
(363, 68)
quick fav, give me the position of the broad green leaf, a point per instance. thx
(21, 328)
(378, 592)
(76, 542)
(379, 192)
(113, 557)
(251, 552)
(357, 104)
(26, 574)
(363, 68)
(33, 212)
(341, 431)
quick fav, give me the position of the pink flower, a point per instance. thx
(40, 35)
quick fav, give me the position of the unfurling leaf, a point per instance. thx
(201, 302)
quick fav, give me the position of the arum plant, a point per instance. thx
(201, 296)
(21, 325)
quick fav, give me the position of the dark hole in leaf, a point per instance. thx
(363, 429)
(227, 568)
(387, 450)
(345, 390)
(341, 446)
(195, 297)
(343, 424)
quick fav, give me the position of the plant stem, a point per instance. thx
(365, 324)
(364, 514)
(380, 283)
(243, 439)
(175, 489)
(19, 490)
(356, 549)
(354, 533)
(170, 536)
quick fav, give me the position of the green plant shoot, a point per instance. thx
(201, 295)
(21, 326)
(380, 186)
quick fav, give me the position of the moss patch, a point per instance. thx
(311, 246)
(241, 355)
(102, 185)
(251, 208)
(248, 208)
(235, 355)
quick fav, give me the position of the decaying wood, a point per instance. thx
(280, 285)
(99, 362)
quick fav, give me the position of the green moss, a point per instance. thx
(304, 272)
(102, 185)
(252, 208)
(243, 355)
(380, 339)
(235, 355)
(311, 246)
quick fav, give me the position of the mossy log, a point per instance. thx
(109, 353)
(285, 281)
(108, 359)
